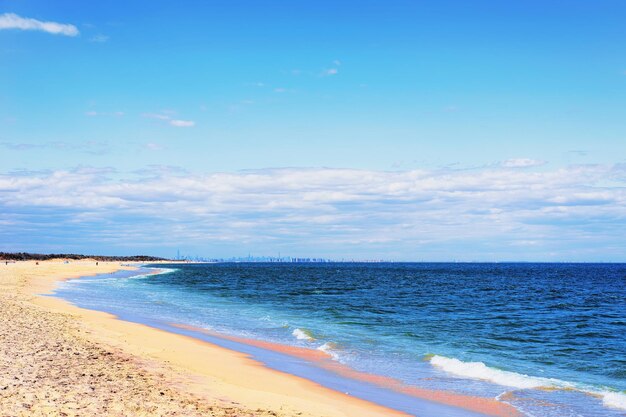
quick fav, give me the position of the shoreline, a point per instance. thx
(315, 366)
(239, 372)
(207, 372)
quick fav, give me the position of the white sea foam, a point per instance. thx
(478, 370)
(160, 271)
(149, 272)
(614, 399)
(329, 348)
(302, 335)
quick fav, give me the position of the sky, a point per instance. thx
(399, 130)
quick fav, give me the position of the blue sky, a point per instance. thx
(525, 101)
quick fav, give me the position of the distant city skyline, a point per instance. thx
(396, 130)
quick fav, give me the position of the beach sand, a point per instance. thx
(59, 360)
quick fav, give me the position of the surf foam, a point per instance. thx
(328, 348)
(478, 370)
(614, 399)
(302, 334)
(161, 271)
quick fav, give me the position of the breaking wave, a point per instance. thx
(478, 370)
(303, 334)
(329, 348)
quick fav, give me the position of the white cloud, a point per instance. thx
(99, 38)
(166, 116)
(328, 72)
(13, 21)
(88, 146)
(182, 123)
(463, 214)
(522, 163)
(156, 116)
(93, 113)
(153, 146)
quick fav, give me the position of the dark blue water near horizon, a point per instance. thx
(506, 330)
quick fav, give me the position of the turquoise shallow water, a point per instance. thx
(495, 330)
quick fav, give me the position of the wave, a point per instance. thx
(159, 271)
(614, 399)
(478, 370)
(329, 348)
(303, 334)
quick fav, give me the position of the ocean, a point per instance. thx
(548, 339)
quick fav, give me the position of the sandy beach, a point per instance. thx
(57, 359)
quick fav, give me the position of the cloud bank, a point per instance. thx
(574, 213)
(13, 21)
(522, 163)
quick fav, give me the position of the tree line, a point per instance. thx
(25, 256)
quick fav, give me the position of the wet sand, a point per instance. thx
(418, 401)
(60, 360)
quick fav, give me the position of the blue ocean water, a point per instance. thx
(549, 339)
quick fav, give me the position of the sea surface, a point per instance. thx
(549, 339)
